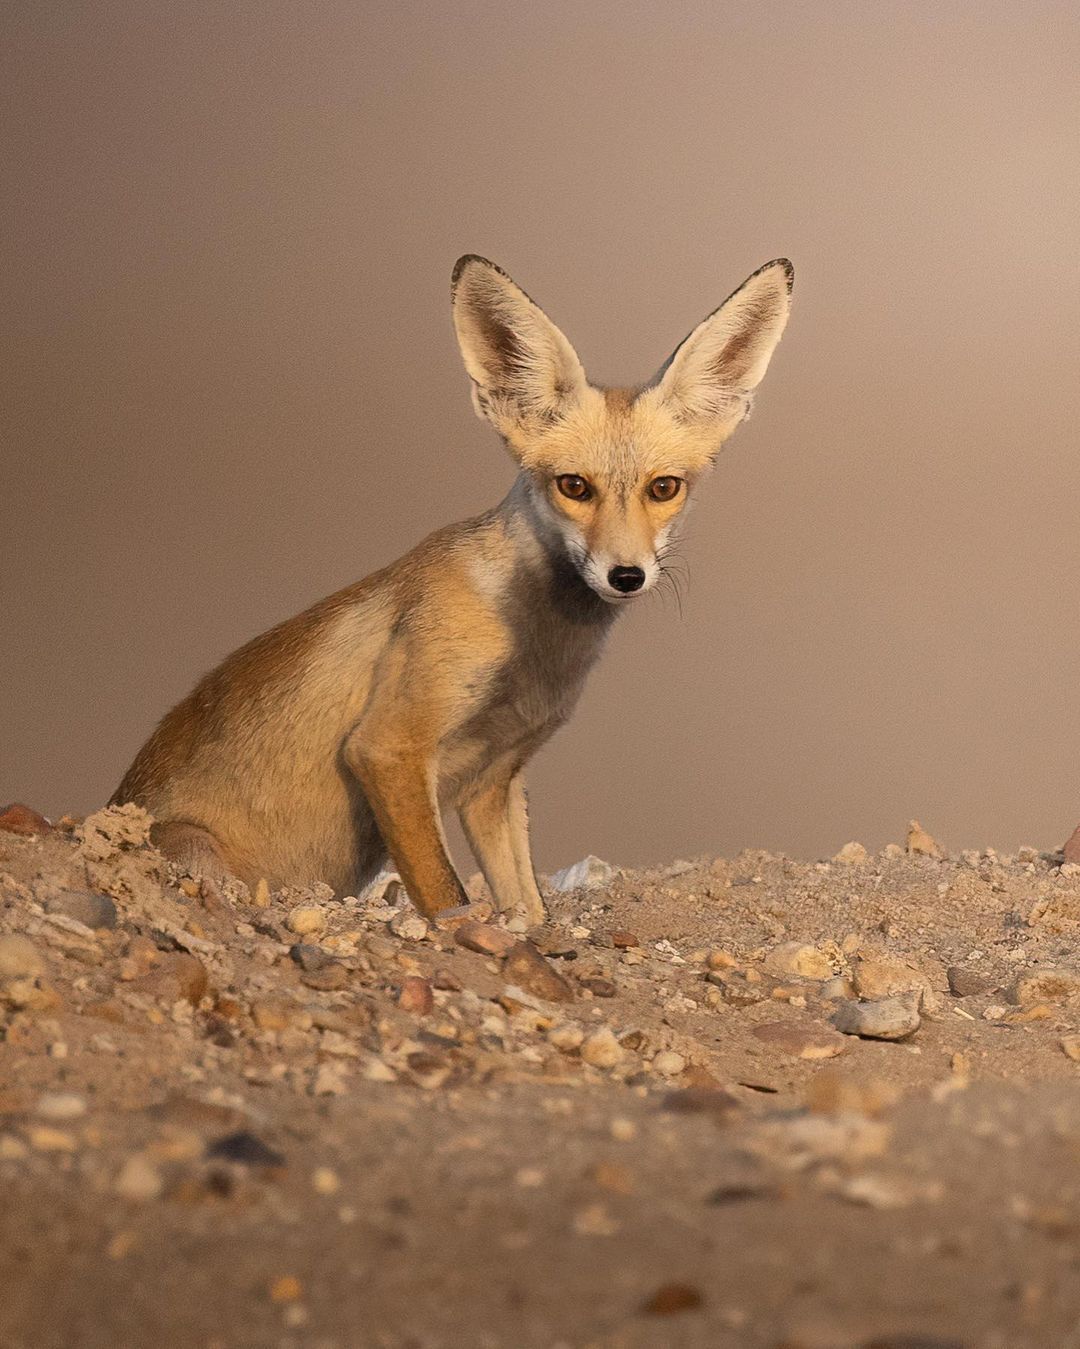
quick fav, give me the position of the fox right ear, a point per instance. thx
(524, 371)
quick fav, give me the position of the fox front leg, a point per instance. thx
(399, 783)
(496, 825)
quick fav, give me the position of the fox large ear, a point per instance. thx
(709, 378)
(524, 371)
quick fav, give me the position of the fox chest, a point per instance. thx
(519, 705)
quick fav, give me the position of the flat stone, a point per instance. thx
(669, 1063)
(528, 969)
(89, 907)
(305, 919)
(409, 925)
(875, 978)
(887, 1019)
(485, 938)
(800, 1041)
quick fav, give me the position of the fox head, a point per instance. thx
(610, 471)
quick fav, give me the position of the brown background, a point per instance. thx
(231, 386)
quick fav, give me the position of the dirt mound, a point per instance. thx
(746, 1102)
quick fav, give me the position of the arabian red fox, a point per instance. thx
(336, 739)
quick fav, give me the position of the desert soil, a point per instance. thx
(233, 1119)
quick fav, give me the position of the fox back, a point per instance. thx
(332, 743)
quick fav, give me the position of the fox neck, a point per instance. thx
(542, 565)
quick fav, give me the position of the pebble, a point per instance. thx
(305, 919)
(602, 1049)
(623, 940)
(43, 1138)
(1047, 983)
(416, 996)
(796, 957)
(1070, 1045)
(671, 1298)
(852, 854)
(409, 925)
(594, 1221)
(801, 1041)
(669, 1063)
(965, 983)
(587, 874)
(325, 1181)
(19, 958)
(566, 1039)
(260, 896)
(485, 938)
(333, 975)
(20, 819)
(888, 1019)
(61, 1105)
(139, 1180)
(286, 1288)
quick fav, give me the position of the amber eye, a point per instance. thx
(665, 489)
(574, 487)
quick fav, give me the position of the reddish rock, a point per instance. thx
(623, 940)
(179, 977)
(1071, 848)
(416, 996)
(446, 979)
(482, 937)
(671, 1298)
(20, 819)
(527, 969)
(597, 985)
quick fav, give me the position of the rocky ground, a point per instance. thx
(724, 1103)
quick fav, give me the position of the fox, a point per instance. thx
(334, 743)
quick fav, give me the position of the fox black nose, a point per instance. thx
(626, 579)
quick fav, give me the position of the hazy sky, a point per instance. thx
(231, 386)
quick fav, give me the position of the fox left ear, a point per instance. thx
(524, 371)
(710, 376)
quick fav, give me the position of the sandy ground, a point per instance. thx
(233, 1119)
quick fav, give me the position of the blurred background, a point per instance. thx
(230, 384)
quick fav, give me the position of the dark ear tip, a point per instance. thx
(469, 260)
(789, 270)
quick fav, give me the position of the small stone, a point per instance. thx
(672, 1298)
(566, 1039)
(333, 975)
(416, 996)
(1070, 1045)
(44, 1138)
(179, 977)
(286, 1288)
(325, 1181)
(623, 940)
(138, 1180)
(801, 1041)
(528, 969)
(668, 1063)
(94, 910)
(428, 1070)
(271, 1014)
(12, 1149)
(920, 844)
(61, 1105)
(20, 819)
(19, 958)
(409, 925)
(892, 851)
(485, 938)
(529, 1177)
(587, 874)
(852, 854)
(839, 986)
(245, 1149)
(622, 1130)
(1071, 850)
(602, 1049)
(884, 977)
(598, 986)
(888, 1019)
(306, 918)
(447, 980)
(331, 1079)
(796, 957)
(594, 1221)
(260, 896)
(1048, 983)
(965, 983)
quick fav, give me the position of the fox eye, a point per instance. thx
(665, 489)
(573, 486)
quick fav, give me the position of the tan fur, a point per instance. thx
(335, 740)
